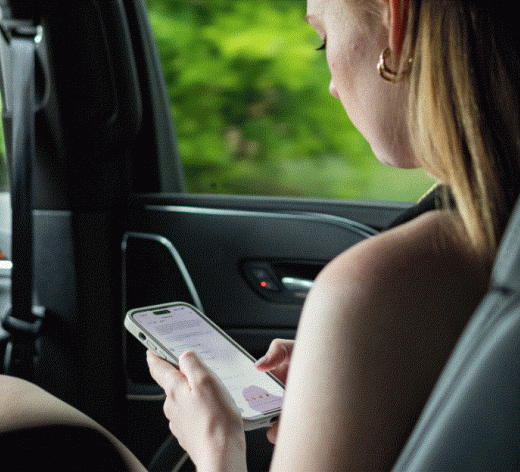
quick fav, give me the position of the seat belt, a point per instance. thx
(23, 321)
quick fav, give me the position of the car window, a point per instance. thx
(5, 205)
(249, 99)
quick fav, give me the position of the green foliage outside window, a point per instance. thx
(249, 99)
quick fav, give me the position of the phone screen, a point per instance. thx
(180, 328)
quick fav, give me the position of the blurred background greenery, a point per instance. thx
(249, 99)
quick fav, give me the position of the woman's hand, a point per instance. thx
(202, 415)
(276, 361)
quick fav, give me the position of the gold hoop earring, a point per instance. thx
(385, 72)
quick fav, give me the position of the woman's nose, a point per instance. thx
(332, 89)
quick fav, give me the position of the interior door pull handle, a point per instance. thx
(295, 284)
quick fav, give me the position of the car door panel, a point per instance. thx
(219, 246)
(217, 254)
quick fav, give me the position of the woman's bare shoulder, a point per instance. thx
(418, 283)
(430, 252)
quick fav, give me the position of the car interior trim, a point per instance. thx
(358, 228)
(176, 257)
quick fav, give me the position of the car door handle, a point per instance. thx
(296, 284)
(281, 281)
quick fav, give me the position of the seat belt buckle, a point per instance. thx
(22, 343)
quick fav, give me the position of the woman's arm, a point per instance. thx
(373, 336)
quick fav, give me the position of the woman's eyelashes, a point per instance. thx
(323, 46)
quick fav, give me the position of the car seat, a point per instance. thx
(472, 419)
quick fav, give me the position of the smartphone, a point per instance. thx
(171, 329)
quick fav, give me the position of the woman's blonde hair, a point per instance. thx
(464, 110)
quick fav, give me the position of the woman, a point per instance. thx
(382, 317)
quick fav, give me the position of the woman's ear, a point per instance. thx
(397, 20)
